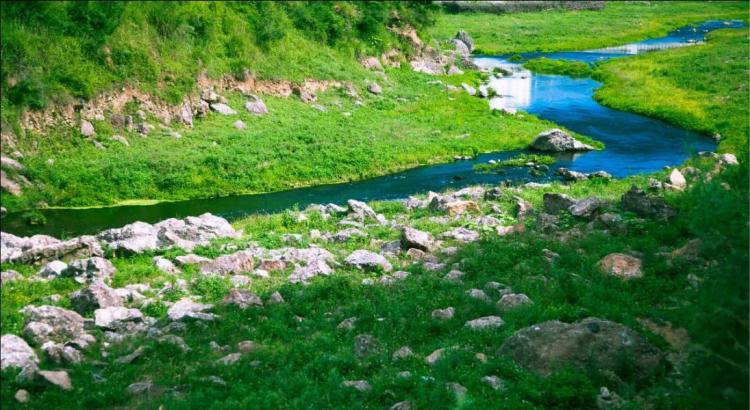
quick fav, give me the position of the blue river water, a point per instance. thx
(634, 144)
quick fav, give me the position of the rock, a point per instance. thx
(413, 238)
(87, 129)
(486, 322)
(728, 159)
(223, 109)
(361, 385)
(10, 164)
(60, 353)
(677, 180)
(477, 294)
(494, 382)
(555, 203)
(15, 352)
(623, 266)
(142, 389)
(165, 265)
(116, 317)
(454, 275)
(230, 359)
(275, 299)
(484, 91)
(550, 256)
(144, 128)
(435, 356)
(9, 276)
(210, 96)
(347, 324)
(456, 389)
(469, 89)
(52, 323)
(239, 124)
(639, 202)
(462, 235)
(21, 396)
(42, 248)
(119, 138)
(608, 400)
(365, 345)
(572, 175)
(689, 252)
(443, 314)
(176, 341)
(52, 269)
(586, 207)
(465, 38)
(374, 88)
(186, 308)
(256, 107)
(90, 270)
(361, 210)
(402, 353)
(523, 208)
(546, 346)
(242, 298)
(347, 234)
(513, 300)
(132, 356)
(191, 259)
(557, 140)
(453, 70)
(363, 259)
(454, 207)
(96, 296)
(238, 262)
(461, 49)
(58, 378)
(601, 174)
(402, 405)
(185, 115)
(371, 63)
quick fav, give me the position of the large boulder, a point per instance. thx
(96, 296)
(15, 352)
(117, 317)
(43, 248)
(238, 262)
(643, 204)
(47, 323)
(364, 259)
(557, 140)
(547, 346)
(414, 238)
(555, 203)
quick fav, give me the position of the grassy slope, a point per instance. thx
(412, 123)
(303, 361)
(704, 88)
(618, 23)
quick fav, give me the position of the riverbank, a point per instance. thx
(256, 336)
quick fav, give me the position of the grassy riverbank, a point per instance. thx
(704, 88)
(617, 23)
(303, 354)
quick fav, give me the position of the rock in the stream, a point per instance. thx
(187, 308)
(96, 296)
(621, 265)
(15, 352)
(645, 205)
(413, 238)
(364, 259)
(557, 140)
(242, 298)
(546, 346)
(238, 262)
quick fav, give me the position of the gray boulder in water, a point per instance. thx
(557, 140)
(547, 346)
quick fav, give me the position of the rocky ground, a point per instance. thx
(504, 284)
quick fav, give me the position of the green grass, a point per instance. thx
(703, 88)
(556, 30)
(570, 68)
(302, 361)
(412, 123)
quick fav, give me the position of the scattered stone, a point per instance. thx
(53, 269)
(639, 202)
(22, 396)
(478, 294)
(239, 124)
(15, 352)
(347, 324)
(256, 106)
(117, 317)
(87, 129)
(677, 180)
(413, 238)
(572, 175)
(47, 323)
(728, 159)
(42, 248)
(223, 109)
(230, 359)
(9, 276)
(375, 89)
(608, 400)
(435, 356)
(443, 314)
(465, 38)
(486, 322)
(523, 208)
(132, 356)
(456, 389)
(275, 299)
(462, 235)
(96, 296)
(58, 378)
(494, 382)
(402, 405)
(555, 203)
(544, 347)
(191, 259)
(346, 234)
(550, 256)
(187, 308)
(365, 345)
(454, 275)
(623, 266)
(242, 298)
(119, 138)
(238, 262)
(165, 265)
(469, 89)
(90, 270)
(402, 353)
(586, 207)
(513, 300)
(363, 259)
(453, 70)
(361, 385)
(371, 63)
(557, 140)
(247, 346)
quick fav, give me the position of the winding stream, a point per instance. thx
(634, 144)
